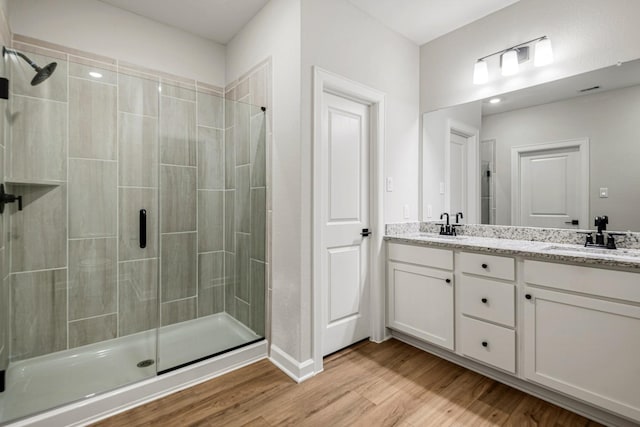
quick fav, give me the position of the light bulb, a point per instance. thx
(510, 63)
(480, 72)
(544, 53)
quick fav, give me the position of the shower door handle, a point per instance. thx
(143, 228)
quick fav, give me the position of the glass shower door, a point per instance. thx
(213, 216)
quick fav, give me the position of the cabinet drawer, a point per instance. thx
(430, 257)
(488, 265)
(491, 344)
(593, 281)
(488, 300)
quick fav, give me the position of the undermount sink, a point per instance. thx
(581, 250)
(442, 236)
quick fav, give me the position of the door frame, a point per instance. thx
(518, 151)
(327, 82)
(472, 134)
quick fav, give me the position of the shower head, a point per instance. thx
(42, 73)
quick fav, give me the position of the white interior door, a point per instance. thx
(551, 190)
(458, 184)
(345, 213)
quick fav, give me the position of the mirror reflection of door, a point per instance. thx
(458, 177)
(550, 185)
(487, 182)
(461, 171)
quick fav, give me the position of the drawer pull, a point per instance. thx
(528, 296)
(447, 280)
(485, 266)
(484, 300)
(485, 344)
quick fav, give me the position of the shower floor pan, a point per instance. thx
(55, 379)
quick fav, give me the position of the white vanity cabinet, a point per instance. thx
(582, 333)
(487, 309)
(419, 296)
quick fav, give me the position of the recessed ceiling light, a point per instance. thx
(494, 100)
(95, 74)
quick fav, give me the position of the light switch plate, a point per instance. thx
(429, 211)
(389, 184)
(442, 188)
(405, 211)
(604, 192)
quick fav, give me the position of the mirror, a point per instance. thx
(553, 155)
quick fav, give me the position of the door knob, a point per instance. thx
(365, 232)
(8, 198)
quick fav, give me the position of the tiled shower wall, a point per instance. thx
(248, 136)
(86, 156)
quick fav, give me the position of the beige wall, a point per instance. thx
(586, 35)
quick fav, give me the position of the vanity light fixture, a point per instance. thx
(512, 57)
(494, 100)
(95, 74)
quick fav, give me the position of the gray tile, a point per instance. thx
(241, 130)
(178, 196)
(138, 295)
(229, 112)
(229, 159)
(258, 153)
(229, 221)
(39, 302)
(257, 276)
(179, 264)
(132, 200)
(92, 198)
(211, 301)
(55, 87)
(138, 95)
(258, 223)
(243, 200)
(210, 159)
(82, 70)
(210, 270)
(92, 277)
(177, 132)
(95, 329)
(175, 91)
(92, 120)
(210, 220)
(210, 110)
(39, 231)
(178, 311)
(243, 290)
(243, 312)
(230, 283)
(38, 147)
(138, 153)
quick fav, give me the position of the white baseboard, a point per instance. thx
(297, 371)
(111, 403)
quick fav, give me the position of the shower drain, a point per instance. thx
(145, 363)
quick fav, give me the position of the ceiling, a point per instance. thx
(424, 20)
(217, 20)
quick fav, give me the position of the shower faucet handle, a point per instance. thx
(8, 198)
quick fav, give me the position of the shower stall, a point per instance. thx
(133, 234)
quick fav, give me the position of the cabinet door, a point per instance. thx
(585, 347)
(420, 302)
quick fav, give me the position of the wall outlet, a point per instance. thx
(604, 193)
(389, 184)
(429, 211)
(442, 188)
(405, 211)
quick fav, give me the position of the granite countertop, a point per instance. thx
(618, 258)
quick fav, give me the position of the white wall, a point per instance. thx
(610, 121)
(100, 28)
(275, 32)
(434, 135)
(586, 35)
(340, 38)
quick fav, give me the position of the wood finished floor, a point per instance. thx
(388, 384)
